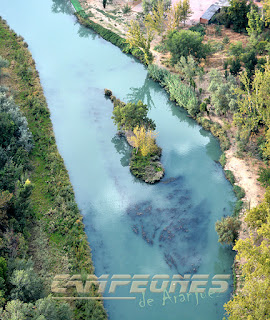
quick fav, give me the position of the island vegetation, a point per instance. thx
(133, 123)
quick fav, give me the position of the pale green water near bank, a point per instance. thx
(132, 227)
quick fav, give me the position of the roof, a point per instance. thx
(209, 13)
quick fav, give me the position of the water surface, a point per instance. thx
(132, 227)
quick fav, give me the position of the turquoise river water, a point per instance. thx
(132, 227)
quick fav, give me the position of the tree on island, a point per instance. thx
(131, 115)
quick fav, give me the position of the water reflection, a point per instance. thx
(62, 6)
(142, 93)
(123, 148)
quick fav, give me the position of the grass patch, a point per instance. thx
(239, 192)
(230, 176)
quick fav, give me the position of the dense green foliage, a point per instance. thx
(227, 230)
(200, 28)
(252, 301)
(184, 43)
(239, 192)
(131, 115)
(223, 96)
(265, 176)
(229, 175)
(179, 92)
(237, 13)
(189, 69)
(43, 309)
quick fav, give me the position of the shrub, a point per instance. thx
(222, 17)
(160, 48)
(107, 92)
(226, 40)
(238, 207)
(261, 47)
(264, 176)
(203, 107)
(178, 91)
(229, 176)
(235, 67)
(185, 43)
(198, 28)
(181, 93)
(223, 160)
(27, 286)
(250, 60)
(236, 49)
(157, 74)
(227, 230)
(218, 30)
(189, 69)
(131, 115)
(239, 192)
(223, 97)
(237, 12)
(126, 9)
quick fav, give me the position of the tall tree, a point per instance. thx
(255, 22)
(254, 102)
(186, 11)
(237, 12)
(155, 21)
(178, 14)
(137, 39)
(185, 43)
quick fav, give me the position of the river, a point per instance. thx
(132, 227)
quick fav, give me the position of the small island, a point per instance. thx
(139, 130)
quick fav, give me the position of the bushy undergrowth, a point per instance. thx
(217, 131)
(223, 160)
(264, 177)
(179, 92)
(230, 176)
(140, 165)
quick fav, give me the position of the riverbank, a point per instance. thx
(57, 241)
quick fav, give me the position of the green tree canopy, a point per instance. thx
(223, 96)
(237, 12)
(184, 43)
(131, 115)
(227, 230)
